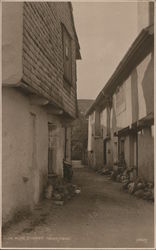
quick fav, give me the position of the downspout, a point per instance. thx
(118, 149)
(71, 144)
(137, 152)
(65, 148)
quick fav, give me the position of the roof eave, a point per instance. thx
(145, 33)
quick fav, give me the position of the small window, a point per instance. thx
(67, 55)
(122, 146)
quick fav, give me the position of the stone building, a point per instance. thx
(121, 120)
(39, 52)
(80, 132)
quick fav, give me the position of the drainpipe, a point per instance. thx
(118, 148)
(71, 143)
(65, 143)
(137, 152)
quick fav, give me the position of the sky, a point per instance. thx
(105, 31)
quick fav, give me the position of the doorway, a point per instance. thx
(52, 143)
(134, 151)
(105, 152)
(35, 179)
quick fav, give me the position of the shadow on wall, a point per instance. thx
(114, 122)
(148, 86)
(134, 95)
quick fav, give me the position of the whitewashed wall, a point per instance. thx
(103, 118)
(141, 71)
(12, 23)
(124, 110)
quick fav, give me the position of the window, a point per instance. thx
(102, 132)
(122, 146)
(67, 55)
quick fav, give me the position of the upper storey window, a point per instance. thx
(67, 55)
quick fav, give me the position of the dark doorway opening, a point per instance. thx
(51, 148)
(105, 151)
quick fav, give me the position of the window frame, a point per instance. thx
(67, 76)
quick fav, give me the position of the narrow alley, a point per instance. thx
(102, 215)
(78, 124)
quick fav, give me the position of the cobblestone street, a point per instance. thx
(102, 215)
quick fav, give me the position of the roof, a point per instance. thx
(141, 46)
(84, 104)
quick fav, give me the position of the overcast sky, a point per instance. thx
(105, 31)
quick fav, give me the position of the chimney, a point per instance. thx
(145, 14)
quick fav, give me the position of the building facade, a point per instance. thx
(80, 132)
(39, 52)
(121, 120)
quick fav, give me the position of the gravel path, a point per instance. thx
(101, 216)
